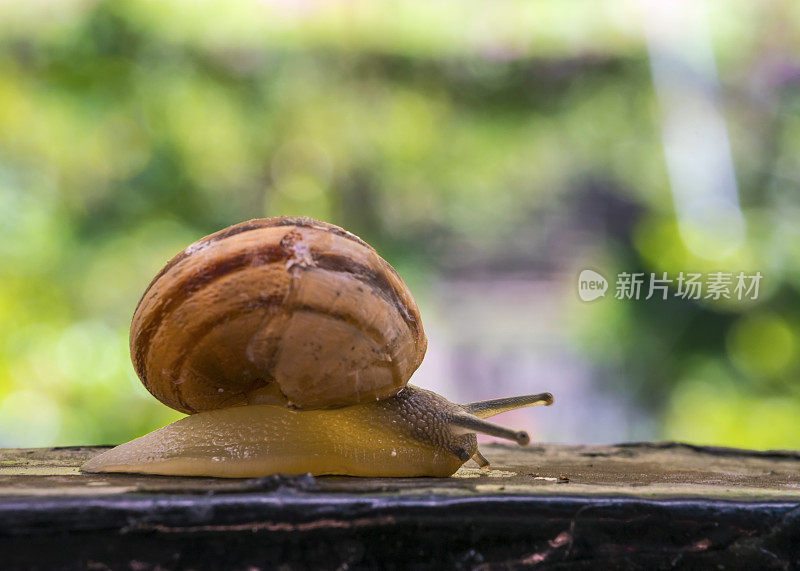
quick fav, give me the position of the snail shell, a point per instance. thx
(288, 311)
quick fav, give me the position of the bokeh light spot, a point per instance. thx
(762, 345)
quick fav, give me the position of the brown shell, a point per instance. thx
(276, 310)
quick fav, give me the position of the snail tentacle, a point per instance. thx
(487, 408)
(472, 423)
(480, 460)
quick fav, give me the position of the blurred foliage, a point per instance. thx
(522, 137)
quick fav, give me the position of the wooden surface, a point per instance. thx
(649, 505)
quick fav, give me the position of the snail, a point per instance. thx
(289, 342)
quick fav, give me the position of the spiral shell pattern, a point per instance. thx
(276, 311)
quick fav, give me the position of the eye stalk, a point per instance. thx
(470, 423)
(471, 419)
(488, 408)
(473, 415)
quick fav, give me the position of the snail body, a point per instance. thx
(289, 342)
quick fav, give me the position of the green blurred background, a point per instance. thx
(490, 151)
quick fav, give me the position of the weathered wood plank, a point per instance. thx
(637, 505)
